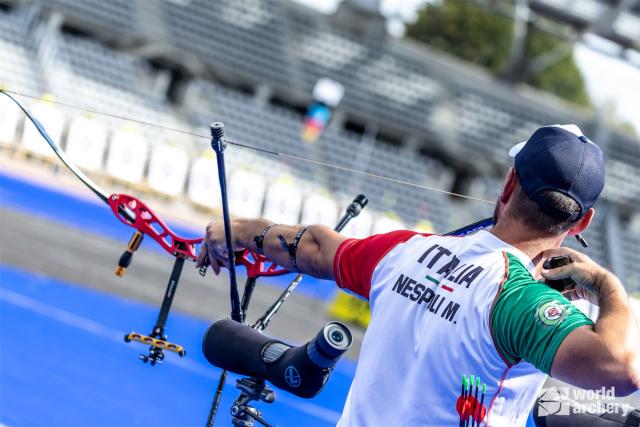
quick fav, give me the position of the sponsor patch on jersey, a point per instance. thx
(552, 313)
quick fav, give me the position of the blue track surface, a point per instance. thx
(64, 362)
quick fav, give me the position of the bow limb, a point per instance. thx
(63, 158)
(60, 153)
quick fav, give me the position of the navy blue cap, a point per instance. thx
(560, 158)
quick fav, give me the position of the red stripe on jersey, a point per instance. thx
(495, 396)
(356, 259)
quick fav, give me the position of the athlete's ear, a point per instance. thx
(510, 184)
(584, 223)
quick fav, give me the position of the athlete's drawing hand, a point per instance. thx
(591, 280)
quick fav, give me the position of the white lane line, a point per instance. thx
(60, 315)
(96, 328)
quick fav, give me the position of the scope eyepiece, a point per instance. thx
(330, 343)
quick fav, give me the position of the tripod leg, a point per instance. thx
(216, 399)
(256, 416)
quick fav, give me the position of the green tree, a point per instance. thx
(563, 78)
(480, 36)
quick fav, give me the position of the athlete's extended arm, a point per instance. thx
(605, 354)
(314, 255)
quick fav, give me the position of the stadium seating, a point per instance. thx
(17, 52)
(118, 16)
(287, 48)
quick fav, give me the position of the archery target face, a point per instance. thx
(127, 157)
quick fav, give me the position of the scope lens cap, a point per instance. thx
(337, 336)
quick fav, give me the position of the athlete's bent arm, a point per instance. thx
(606, 354)
(314, 256)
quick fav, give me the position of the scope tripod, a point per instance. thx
(244, 415)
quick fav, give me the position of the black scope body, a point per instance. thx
(302, 370)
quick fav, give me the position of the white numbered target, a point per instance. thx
(86, 142)
(319, 209)
(246, 194)
(168, 170)
(52, 120)
(282, 204)
(9, 118)
(360, 226)
(203, 188)
(127, 157)
(385, 224)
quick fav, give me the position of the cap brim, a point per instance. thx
(516, 149)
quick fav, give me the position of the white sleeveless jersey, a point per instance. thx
(431, 298)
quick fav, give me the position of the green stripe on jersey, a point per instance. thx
(530, 320)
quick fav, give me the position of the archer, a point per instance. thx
(508, 328)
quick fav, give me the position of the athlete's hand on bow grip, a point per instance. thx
(587, 275)
(214, 248)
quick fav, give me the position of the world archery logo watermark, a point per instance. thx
(292, 377)
(559, 401)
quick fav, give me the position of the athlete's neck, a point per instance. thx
(528, 242)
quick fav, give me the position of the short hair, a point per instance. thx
(530, 213)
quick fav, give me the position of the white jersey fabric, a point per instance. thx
(431, 298)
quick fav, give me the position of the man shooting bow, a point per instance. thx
(444, 307)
